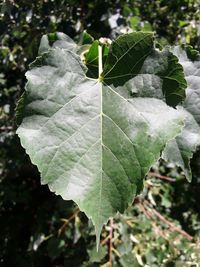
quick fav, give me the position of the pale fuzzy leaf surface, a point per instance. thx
(181, 150)
(90, 142)
(57, 39)
(63, 41)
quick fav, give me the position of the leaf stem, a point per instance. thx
(100, 60)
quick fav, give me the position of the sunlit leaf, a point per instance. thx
(91, 139)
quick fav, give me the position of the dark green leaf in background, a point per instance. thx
(135, 64)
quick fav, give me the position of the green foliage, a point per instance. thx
(30, 214)
(84, 150)
(172, 21)
(92, 58)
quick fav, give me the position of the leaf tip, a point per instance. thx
(98, 235)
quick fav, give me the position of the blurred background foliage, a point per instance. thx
(37, 228)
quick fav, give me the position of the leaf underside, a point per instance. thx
(94, 140)
(181, 149)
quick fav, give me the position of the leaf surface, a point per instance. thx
(57, 39)
(135, 64)
(63, 41)
(92, 141)
(181, 150)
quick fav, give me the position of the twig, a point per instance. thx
(105, 240)
(66, 221)
(116, 252)
(162, 177)
(110, 242)
(172, 226)
(151, 213)
(48, 237)
(129, 223)
(143, 209)
(159, 231)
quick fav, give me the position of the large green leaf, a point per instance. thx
(92, 141)
(181, 149)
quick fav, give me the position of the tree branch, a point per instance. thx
(66, 221)
(162, 177)
(151, 213)
(110, 242)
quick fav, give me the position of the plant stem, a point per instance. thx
(100, 59)
(152, 213)
(162, 177)
(66, 221)
(110, 242)
(172, 226)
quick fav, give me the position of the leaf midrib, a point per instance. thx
(143, 38)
